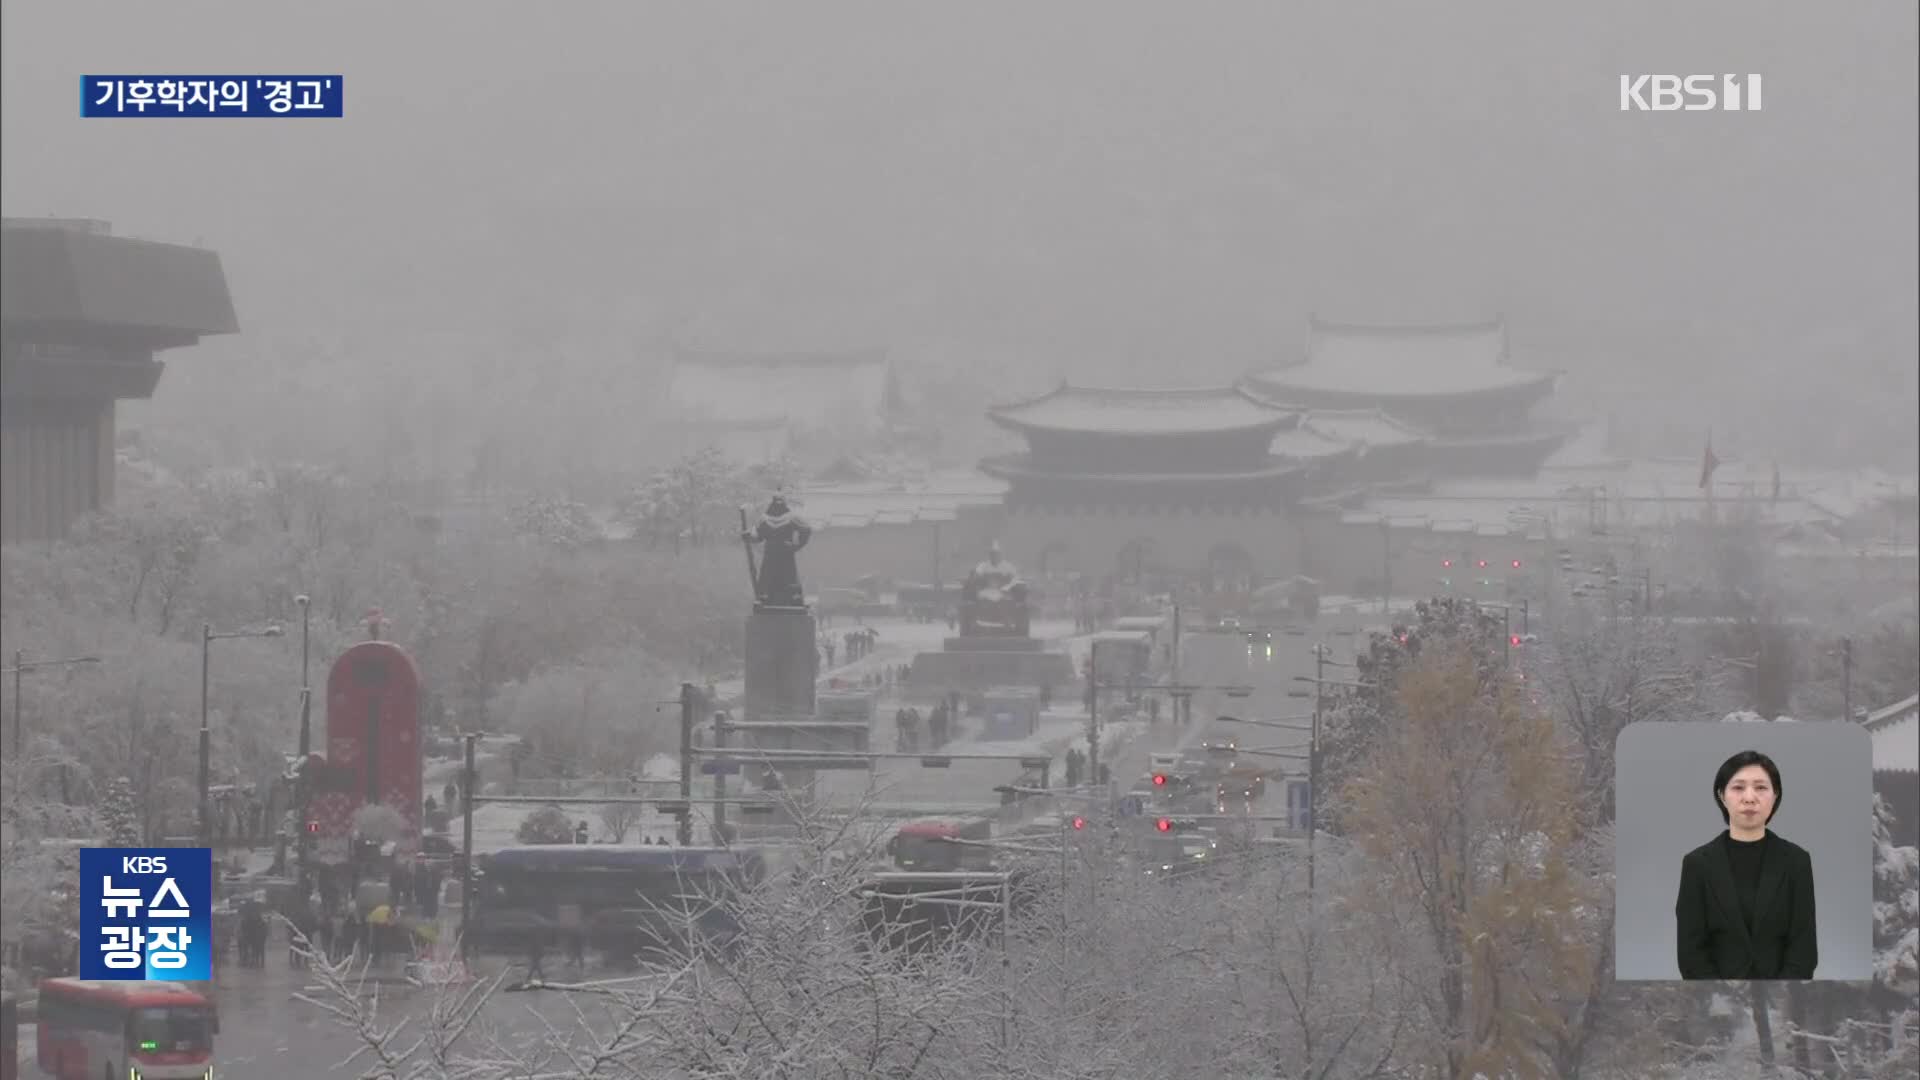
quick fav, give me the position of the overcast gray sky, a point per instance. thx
(1125, 188)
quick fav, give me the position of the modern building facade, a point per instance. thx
(85, 314)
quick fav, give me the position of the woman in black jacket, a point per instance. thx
(1746, 897)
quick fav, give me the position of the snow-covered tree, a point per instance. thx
(685, 503)
(119, 817)
(379, 824)
(1896, 907)
(545, 825)
(556, 520)
(1356, 718)
(1466, 809)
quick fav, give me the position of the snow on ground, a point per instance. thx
(899, 640)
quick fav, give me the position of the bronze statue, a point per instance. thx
(783, 534)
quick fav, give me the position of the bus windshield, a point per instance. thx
(175, 1029)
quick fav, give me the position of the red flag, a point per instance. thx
(1707, 465)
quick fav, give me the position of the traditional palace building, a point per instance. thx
(1140, 481)
(1242, 484)
(1401, 460)
(1451, 382)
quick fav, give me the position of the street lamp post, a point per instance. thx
(22, 666)
(306, 739)
(207, 638)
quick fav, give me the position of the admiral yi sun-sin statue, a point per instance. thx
(781, 534)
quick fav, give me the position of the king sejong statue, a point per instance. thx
(782, 534)
(993, 576)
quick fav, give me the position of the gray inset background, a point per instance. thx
(1663, 784)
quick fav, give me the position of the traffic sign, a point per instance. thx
(1132, 806)
(936, 762)
(720, 768)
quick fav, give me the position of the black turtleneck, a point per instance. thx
(1745, 857)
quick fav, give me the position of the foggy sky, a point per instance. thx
(1123, 189)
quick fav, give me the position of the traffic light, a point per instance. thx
(313, 827)
(1514, 640)
(1079, 823)
(1483, 564)
(1446, 564)
(1516, 564)
(1159, 779)
(1164, 824)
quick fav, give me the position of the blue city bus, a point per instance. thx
(624, 900)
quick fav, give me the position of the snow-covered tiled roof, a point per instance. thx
(809, 389)
(1896, 736)
(1304, 444)
(1366, 427)
(1143, 411)
(1402, 361)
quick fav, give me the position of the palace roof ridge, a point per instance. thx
(1141, 410)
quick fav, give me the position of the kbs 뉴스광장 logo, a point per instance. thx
(146, 913)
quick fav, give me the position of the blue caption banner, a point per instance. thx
(281, 96)
(146, 913)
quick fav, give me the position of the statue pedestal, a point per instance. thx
(972, 665)
(783, 663)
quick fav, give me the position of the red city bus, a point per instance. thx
(145, 1029)
(9, 1037)
(929, 844)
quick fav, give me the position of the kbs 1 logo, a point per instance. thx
(146, 913)
(1689, 93)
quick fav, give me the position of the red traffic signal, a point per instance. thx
(1516, 564)
(1514, 640)
(313, 827)
(1164, 824)
(1446, 564)
(1079, 823)
(1483, 564)
(1159, 779)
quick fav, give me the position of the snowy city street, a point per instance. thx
(1079, 541)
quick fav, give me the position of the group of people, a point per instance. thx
(860, 642)
(939, 728)
(341, 918)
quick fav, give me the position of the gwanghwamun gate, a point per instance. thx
(1391, 461)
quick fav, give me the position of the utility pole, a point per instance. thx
(466, 841)
(306, 740)
(1846, 676)
(720, 725)
(1386, 565)
(207, 638)
(206, 735)
(1181, 702)
(1313, 761)
(688, 703)
(1093, 710)
(20, 667)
